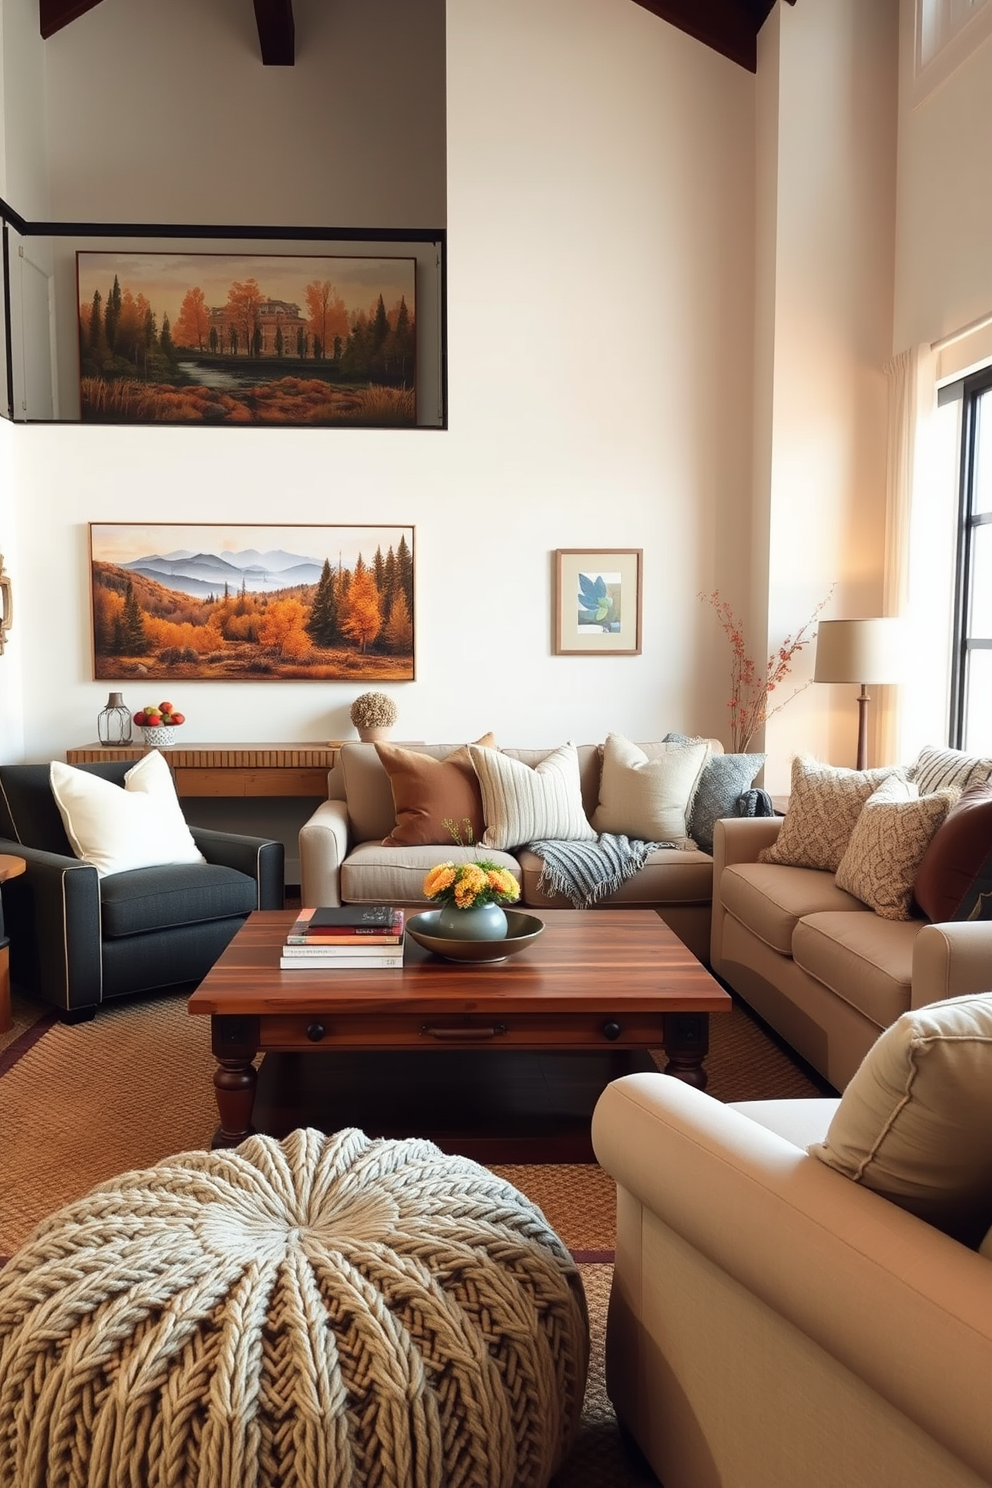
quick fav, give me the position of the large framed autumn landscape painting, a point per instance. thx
(246, 338)
(179, 600)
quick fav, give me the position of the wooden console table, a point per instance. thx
(10, 867)
(231, 769)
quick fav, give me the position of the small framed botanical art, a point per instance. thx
(597, 601)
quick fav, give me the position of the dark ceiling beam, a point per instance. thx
(54, 14)
(276, 32)
(730, 27)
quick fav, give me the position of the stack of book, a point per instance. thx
(362, 937)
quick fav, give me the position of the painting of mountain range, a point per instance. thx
(220, 602)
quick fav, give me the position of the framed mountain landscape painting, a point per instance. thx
(248, 603)
(246, 338)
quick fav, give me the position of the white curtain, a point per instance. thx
(912, 401)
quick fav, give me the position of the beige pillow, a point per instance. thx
(521, 804)
(915, 1123)
(887, 846)
(824, 805)
(429, 791)
(647, 797)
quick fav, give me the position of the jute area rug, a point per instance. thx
(79, 1105)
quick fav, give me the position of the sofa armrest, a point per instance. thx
(260, 858)
(736, 839)
(951, 960)
(53, 923)
(324, 842)
(862, 1278)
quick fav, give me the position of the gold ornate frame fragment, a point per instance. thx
(6, 605)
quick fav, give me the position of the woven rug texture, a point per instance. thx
(79, 1105)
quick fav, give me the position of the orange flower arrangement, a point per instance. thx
(750, 689)
(470, 884)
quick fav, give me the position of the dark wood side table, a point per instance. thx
(10, 867)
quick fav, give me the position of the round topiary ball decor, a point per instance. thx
(321, 1312)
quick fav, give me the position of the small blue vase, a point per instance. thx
(481, 922)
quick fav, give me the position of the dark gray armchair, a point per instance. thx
(77, 940)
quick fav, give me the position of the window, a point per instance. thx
(971, 675)
(947, 31)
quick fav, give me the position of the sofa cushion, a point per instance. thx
(954, 879)
(372, 873)
(148, 899)
(521, 804)
(865, 960)
(428, 791)
(119, 829)
(887, 845)
(647, 797)
(823, 807)
(371, 809)
(915, 1122)
(770, 900)
(936, 769)
(669, 876)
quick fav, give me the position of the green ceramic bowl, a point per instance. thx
(522, 931)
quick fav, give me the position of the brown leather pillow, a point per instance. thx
(426, 790)
(954, 879)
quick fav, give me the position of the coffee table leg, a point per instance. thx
(687, 1042)
(234, 1085)
(235, 1042)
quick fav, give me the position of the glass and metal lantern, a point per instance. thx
(114, 721)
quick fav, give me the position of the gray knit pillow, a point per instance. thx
(724, 778)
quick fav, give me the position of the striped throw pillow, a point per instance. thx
(940, 769)
(520, 804)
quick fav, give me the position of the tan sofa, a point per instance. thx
(822, 968)
(342, 858)
(773, 1324)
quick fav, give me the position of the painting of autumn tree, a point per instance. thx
(194, 338)
(302, 603)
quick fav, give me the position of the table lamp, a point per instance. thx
(862, 651)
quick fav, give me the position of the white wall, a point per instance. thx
(944, 224)
(828, 168)
(600, 308)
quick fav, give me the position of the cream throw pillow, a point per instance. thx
(824, 805)
(915, 1123)
(647, 797)
(115, 829)
(521, 804)
(887, 846)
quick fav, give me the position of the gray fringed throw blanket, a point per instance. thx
(585, 871)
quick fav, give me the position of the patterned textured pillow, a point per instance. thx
(522, 805)
(724, 780)
(887, 844)
(936, 769)
(915, 1122)
(954, 880)
(647, 797)
(823, 807)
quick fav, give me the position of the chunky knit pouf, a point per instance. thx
(322, 1312)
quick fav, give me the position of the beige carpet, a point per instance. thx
(81, 1104)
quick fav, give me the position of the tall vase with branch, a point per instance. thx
(750, 687)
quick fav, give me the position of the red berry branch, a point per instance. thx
(750, 690)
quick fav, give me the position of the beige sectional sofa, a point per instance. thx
(821, 966)
(344, 859)
(773, 1324)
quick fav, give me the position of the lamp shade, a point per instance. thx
(859, 651)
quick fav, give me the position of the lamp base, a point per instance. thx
(863, 700)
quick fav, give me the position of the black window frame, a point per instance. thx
(964, 645)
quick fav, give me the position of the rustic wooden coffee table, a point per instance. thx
(499, 1061)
